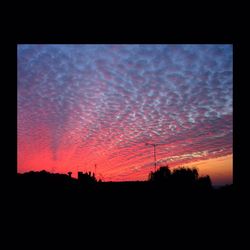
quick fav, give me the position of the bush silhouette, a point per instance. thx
(184, 176)
(179, 178)
(161, 175)
(204, 182)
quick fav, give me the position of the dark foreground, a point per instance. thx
(106, 212)
(114, 197)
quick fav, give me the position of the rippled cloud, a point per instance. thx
(99, 104)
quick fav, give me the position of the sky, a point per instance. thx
(94, 108)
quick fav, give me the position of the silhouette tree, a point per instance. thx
(184, 176)
(161, 175)
(179, 177)
(204, 182)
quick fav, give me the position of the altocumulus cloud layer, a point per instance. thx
(80, 105)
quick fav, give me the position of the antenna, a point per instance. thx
(154, 145)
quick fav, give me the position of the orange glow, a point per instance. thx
(219, 169)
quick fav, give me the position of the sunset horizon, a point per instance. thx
(100, 108)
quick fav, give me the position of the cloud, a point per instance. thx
(111, 99)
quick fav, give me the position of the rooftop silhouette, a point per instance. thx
(161, 184)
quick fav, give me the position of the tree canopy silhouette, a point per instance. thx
(185, 176)
(180, 177)
(161, 175)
